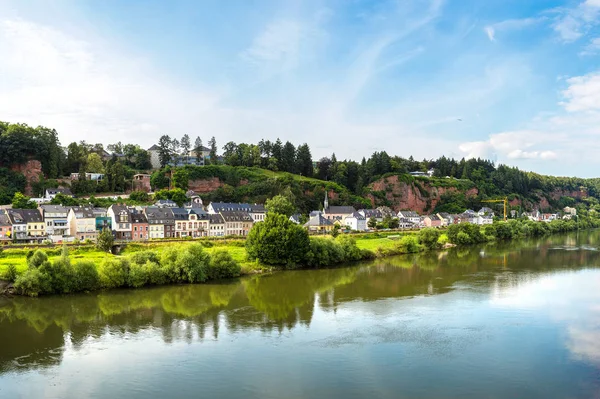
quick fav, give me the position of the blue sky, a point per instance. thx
(510, 80)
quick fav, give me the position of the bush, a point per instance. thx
(192, 264)
(149, 273)
(408, 244)
(351, 251)
(142, 257)
(443, 240)
(222, 265)
(114, 272)
(32, 283)
(463, 238)
(324, 252)
(59, 275)
(277, 241)
(105, 240)
(11, 273)
(138, 276)
(428, 237)
(36, 259)
(86, 276)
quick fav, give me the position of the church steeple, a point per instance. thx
(326, 202)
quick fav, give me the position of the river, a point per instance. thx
(511, 320)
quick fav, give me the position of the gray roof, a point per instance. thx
(409, 214)
(256, 208)
(167, 202)
(120, 210)
(340, 209)
(54, 209)
(295, 217)
(180, 213)
(100, 212)
(357, 215)
(138, 217)
(4, 220)
(371, 213)
(21, 216)
(236, 216)
(216, 218)
(82, 212)
(156, 215)
(155, 147)
(231, 207)
(315, 213)
(318, 220)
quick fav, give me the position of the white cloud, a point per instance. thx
(491, 33)
(583, 93)
(573, 23)
(509, 25)
(509, 145)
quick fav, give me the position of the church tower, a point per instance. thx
(326, 202)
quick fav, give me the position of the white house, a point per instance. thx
(51, 193)
(411, 216)
(356, 222)
(55, 219)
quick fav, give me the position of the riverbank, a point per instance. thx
(85, 268)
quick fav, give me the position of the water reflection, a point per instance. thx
(513, 275)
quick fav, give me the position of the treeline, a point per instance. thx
(190, 264)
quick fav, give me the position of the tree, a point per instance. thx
(428, 237)
(231, 154)
(175, 147)
(323, 167)
(212, 144)
(185, 147)
(164, 150)
(288, 157)
(181, 178)
(372, 223)
(281, 205)
(276, 150)
(198, 149)
(277, 241)
(116, 148)
(21, 201)
(105, 240)
(94, 163)
(304, 163)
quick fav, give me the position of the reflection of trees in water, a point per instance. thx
(269, 303)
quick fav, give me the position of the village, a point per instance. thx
(166, 220)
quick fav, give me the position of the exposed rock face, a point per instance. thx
(205, 185)
(402, 195)
(32, 170)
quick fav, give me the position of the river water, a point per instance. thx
(515, 320)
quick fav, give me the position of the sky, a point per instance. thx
(514, 81)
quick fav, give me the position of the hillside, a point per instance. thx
(397, 191)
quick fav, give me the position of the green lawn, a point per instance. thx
(18, 256)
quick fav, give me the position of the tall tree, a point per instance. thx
(94, 163)
(164, 150)
(288, 157)
(323, 167)
(304, 163)
(276, 150)
(185, 146)
(175, 146)
(212, 144)
(198, 149)
(231, 154)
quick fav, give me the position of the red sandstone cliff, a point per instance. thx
(32, 170)
(402, 195)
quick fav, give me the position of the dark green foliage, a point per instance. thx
(177, 195)
(114, 272)
(11, 273)
(325, 252)
(222, 265)
(86, 276)
(31, 283)
(36, 259)
(280, 204)
(408, 244)
(277, 241)
(140, 196)
(105, 240)
(428, 237)
(142, 257)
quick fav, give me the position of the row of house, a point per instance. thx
(350, 218)
(58, 223)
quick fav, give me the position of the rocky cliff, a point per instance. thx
(32, 170)
(402, 192)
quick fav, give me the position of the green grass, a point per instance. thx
(18, 256)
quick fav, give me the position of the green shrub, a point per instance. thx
(222, 265)
(138, 277)
(192, 264)
(428, 237)
(351, 251)
(443, 240)
(60, 276)
(155, 275)
(277, 241)
(86, 276)
(324, 252)
(11, 273)
(142, 257)
(32, 283)
(36, 259)
(114, 272)
(463, 239)
(408, 244)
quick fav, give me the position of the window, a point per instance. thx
(135, 228)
